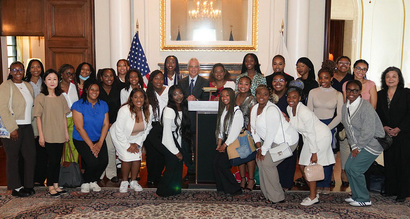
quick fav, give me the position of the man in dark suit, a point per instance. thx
(192, 87)
(193, 84)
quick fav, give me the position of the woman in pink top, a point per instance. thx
(369, 91)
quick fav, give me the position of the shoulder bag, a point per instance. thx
(241, 148)
(281, 151)
(70, 174)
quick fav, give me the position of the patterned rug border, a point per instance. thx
(109, 200)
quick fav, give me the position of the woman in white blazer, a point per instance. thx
(316, 137)
(128, 134)
(269, 129)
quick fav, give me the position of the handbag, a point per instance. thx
(314, 172)
(386, 142)
(281, 151)
(242, 147)
(4, 133)
(70, 174)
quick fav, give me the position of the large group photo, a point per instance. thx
(186, 129)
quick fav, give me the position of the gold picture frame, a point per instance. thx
(248, 43)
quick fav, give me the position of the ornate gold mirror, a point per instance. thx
(209, 24)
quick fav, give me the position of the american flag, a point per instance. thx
(137, 58)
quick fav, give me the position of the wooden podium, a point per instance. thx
(206, 115)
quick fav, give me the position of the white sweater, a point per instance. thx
(267, 127)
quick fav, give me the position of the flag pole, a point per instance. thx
(137, 26)
(282, 27)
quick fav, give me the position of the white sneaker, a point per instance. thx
(360, 204)
(348, 200)
(85, 188)
(95, 187)
(124, 186)
(134, 185)
(307, 201)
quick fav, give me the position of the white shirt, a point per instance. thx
(190, 79)
(162, 102)
(71, 97)
(169, 129)
(171, 81)
(124, 94)
(352, 107)
(272, 127)
(234, 129)
(29, 104)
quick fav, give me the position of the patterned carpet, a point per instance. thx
(109, 203)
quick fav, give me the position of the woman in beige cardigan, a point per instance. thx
(17, 120)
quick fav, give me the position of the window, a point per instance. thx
(11, 50)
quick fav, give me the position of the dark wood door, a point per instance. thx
(69, 32)
(22, 18)
(337, 28)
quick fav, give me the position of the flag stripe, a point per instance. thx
(137, 58)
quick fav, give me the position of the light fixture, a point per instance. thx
(204, 9)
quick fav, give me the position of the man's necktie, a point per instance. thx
(191, 86)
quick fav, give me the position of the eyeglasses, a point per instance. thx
(14, 71)
(343, 63)
(354, 91)
(279, 80)
(361, 69)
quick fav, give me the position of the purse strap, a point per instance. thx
(70, 152)
(281, 124)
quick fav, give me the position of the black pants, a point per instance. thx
(24, 146)
(40, 174)
(171, 181)
(189, 148)
(94, 166)
(154, 158)
(54, 153)
(225, 181)
(286, 171)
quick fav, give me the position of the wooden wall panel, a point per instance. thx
(61, 56)
(69, 32)
(19, 19)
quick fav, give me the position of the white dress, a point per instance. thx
(316, 135)
(121, 134)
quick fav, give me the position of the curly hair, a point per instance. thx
(78, 71)
(145, 106)
(127, 79)
(227, 75)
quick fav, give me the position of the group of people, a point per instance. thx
(110, 114)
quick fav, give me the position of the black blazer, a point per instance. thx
(197, 92)
(399, 113)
